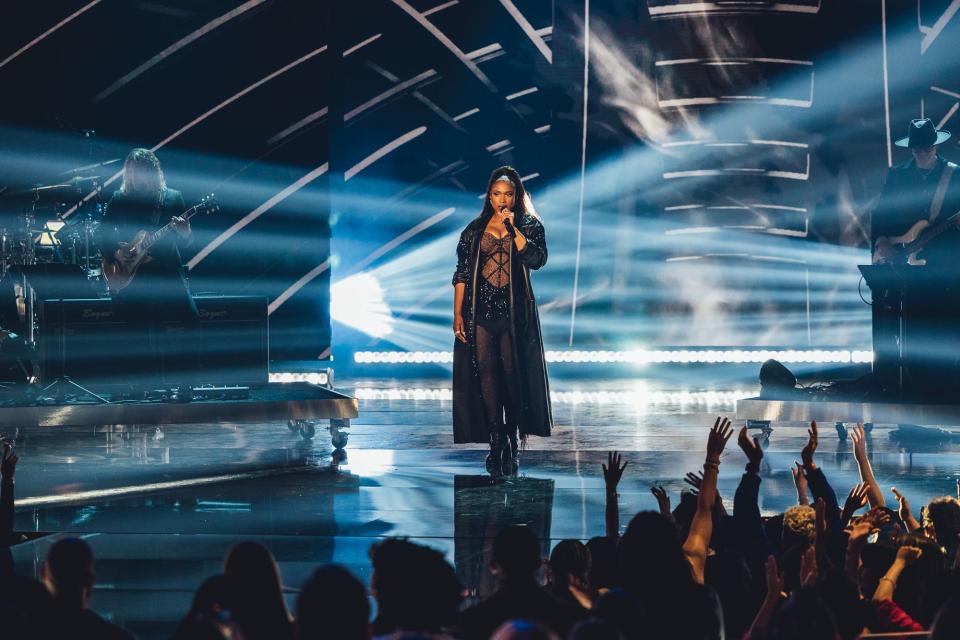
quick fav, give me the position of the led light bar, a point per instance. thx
(314, 377)
(642, 356)
(636, 397)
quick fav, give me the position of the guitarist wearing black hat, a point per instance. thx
(915, 229)
(914, 221)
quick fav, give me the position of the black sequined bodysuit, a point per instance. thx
(493, 292)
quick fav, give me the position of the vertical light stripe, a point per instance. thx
(447, 42)
(528, 29)
(176, 46)
(381, 152)
(49, 31)
(886, 81)
(296, 286)
(953, 110)
(256, 213)
(583, 165)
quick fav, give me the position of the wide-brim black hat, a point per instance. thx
(922, 135)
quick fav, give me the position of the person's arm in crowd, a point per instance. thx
(800, 480)
(701, 529)
(821, 489)
(8, 468)
(856, 540)
(905, 513)
(663, 501)
(612, 472)
(874, 493)
(770, 601)
(906, 555)
(751, 537)
(856, 500)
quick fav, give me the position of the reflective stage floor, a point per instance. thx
(162, 507)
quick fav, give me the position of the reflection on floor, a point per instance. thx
(211, 486)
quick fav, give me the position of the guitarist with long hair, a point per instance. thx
(161, 316)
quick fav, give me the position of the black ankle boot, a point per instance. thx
(495, 457)
(511, 453)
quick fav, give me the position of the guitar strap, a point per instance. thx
(941, 192)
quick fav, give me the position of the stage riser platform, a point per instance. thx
(760, 409)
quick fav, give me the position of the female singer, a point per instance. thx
(500, 388)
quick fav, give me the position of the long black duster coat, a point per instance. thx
(535, 416)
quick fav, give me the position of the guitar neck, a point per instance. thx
(158, 235)
(932, 232)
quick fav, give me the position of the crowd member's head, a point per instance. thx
(651, 556)
(946, 626)
(68, 572)
(570, 564)
(943, 514)
(523, 630)
(619, 608)
(594, 629)
(415, 587)
(799, 526)
(603, 562)
(211, 612)
(333, 604)
(804, 616)
(516, 554)
(840, 596)
(728, 574)
(261, 610)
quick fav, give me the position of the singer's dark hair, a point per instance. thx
(520, 201)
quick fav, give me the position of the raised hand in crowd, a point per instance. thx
(906, 556)
(800, 481)
(906, 515)
(612, 473)
(810, 448)
(751, 449)
(701, 529)
(809, 571)
(859, 437)
(663, 501)
(856, 500)
(774, 593)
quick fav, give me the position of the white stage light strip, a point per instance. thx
(296, 126)
(528, 29)
(117, 492)
(313, 377)
(440, 7)
(525, 92)
(632, 398)
(200, 119)
(49, 31)
(382, 151)
(389, 93)
(447, 42)
(256, 213)
(176, 46)
(642, 357)
(939, 25)
(296, 286)
(722, 7)
(360, 45)
(465, 114)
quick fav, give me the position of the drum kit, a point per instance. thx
(52, 223)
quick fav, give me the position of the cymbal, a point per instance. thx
(90, 167)
(42, 189)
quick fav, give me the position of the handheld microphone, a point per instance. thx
(507, 224)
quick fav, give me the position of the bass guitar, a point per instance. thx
(904, 249)
(127, 259)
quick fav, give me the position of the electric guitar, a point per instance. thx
(128, 258)
(903, 249)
